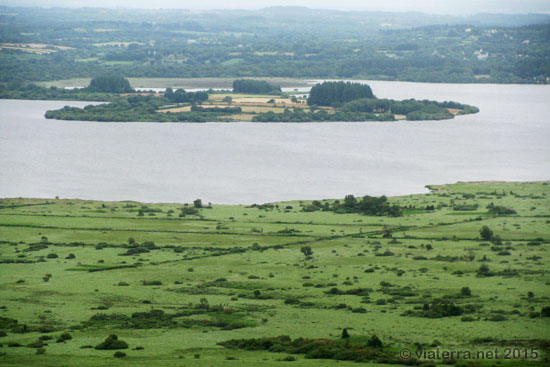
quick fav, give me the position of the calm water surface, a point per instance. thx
(253, 163)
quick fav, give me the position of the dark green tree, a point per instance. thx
(254, 86)
(486, 233)
(110, 84)
(374, 342)
(329, 93)
(307, 251)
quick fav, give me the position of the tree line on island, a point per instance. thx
(327, 101)
(255, 87)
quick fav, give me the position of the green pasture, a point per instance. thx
(199, 278)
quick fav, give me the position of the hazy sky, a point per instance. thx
(461, 7)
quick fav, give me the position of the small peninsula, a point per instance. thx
(250, 100)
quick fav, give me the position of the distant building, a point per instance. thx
(481, 55)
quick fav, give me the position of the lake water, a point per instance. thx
(255, 163)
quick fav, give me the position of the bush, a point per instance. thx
(292, 301)
(112, 343)
(545, 312)
(484, 271)
(151, 282)
(64, 337)
(344, 350)
(119, 354)
(501, 210)
(486, 233)
(37, 344)
(465, 292)
(374, 342)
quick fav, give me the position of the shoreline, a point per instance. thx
(428, 188)
(225, 82)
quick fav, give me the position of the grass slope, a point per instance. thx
(233, 272)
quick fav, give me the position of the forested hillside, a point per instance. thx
(52, 44)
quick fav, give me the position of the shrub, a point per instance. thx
(484, 271)
(292, 301)
(486, 233)
(345, 334)
(545, 312)
(501, 210)
(465, 292)
(112, 343)
(119, 354)
(307, 251)
(374, 342)
(64, 337)
(37, 344)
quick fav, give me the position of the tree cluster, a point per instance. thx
(412, 108)
(331, 93)
(367, 205)
(110, 84)
(180, 96)
(255, 86)
(300, 115)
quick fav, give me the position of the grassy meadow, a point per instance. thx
(173, 281)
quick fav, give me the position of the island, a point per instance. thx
(251, 100)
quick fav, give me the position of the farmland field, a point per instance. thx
(172, 281)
